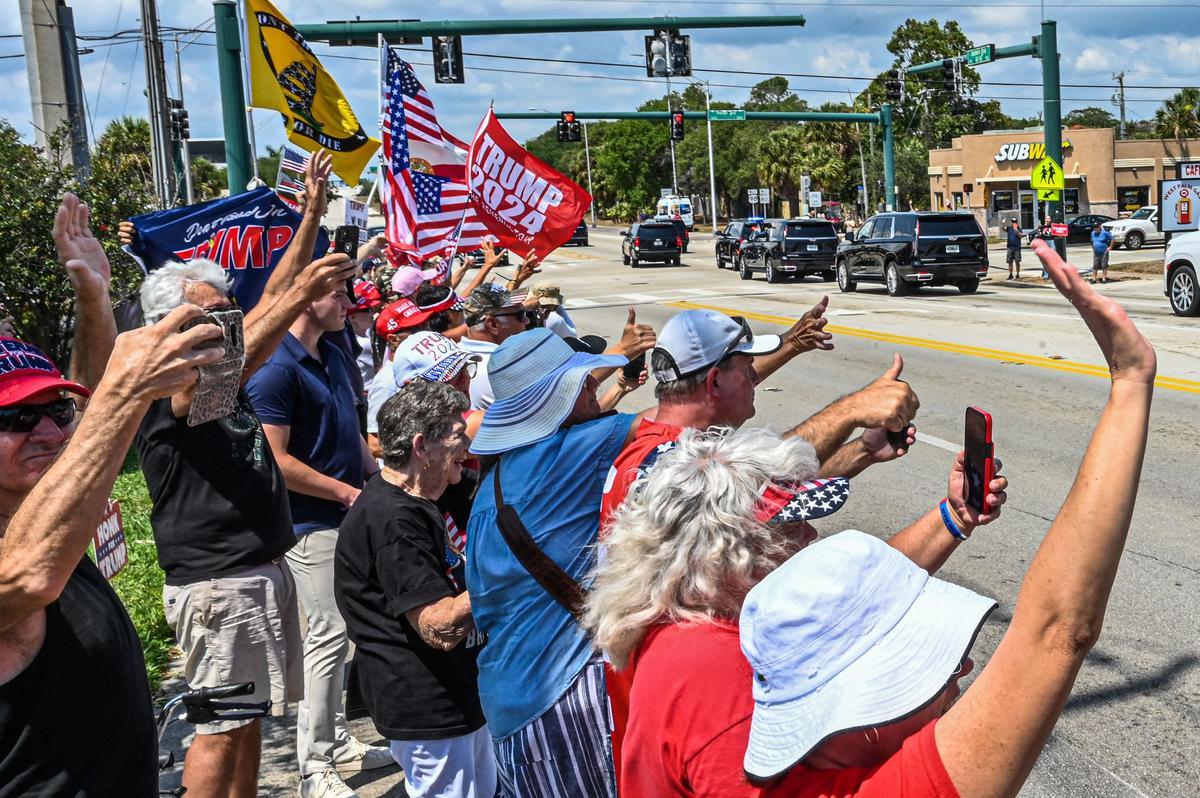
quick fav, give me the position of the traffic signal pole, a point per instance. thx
(233, 96)
(889, 158)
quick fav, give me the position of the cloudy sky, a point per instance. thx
(1155, 43)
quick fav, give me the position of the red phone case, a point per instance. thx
(989, 454)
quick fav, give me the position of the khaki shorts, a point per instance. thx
(240, 628)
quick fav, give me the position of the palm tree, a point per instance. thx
(1179, 117)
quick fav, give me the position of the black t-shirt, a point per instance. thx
(78, 720)
(392, 556)
(220, 504)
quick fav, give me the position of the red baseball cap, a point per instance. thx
(366, 296)
(404, 314)
(25, 371)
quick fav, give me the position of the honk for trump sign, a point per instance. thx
(521, 200)
(285, 75)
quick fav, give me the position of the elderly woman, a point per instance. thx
(874, 707)
(712, 518)
(400, 587)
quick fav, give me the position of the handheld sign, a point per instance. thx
(112, 554)
(524, 202)
(1058, 230)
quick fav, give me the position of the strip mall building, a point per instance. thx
(989, 173)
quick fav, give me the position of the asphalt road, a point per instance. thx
(1018, 351)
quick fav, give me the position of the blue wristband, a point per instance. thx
(948, 520)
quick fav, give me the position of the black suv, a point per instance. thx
(680, 229)
(791, 248)
(651, 241)
(729, 242)
(580, 237)
(907, 250)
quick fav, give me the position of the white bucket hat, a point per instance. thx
(536, 378)
(847, 634)
(696, 340)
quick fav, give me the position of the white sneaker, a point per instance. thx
(356, 756)
(326, 784)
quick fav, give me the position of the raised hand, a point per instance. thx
(374, 248)
(126, 232)
(326, 274)
(808, 333)
(491, 259)
(888, 402)
(881, 450)
(159, 361)
(636, 338)
(992, 502)
(78, 250)
(1128, 354)
(529, 267)
(316, 178)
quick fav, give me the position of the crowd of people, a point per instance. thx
(546, 596)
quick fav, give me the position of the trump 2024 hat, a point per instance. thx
(25, 371)
(430, 357)
(697, 340)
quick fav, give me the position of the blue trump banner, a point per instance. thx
(247, 234)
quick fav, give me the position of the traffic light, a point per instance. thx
(677, 126)
(448, 59)
(568, 126)
(894, 86)
(680, 50)
(668, 54)
(180, 131)
(950, 74)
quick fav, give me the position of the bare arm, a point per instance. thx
(872, 447)
(990, 740)
(807, 334)
(300, 251)
(51, 529)
(528, 268)
(620, 389)
(301, 477)
(635, 339)
(444, 623)
(90, 274)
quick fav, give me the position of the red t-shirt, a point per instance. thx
(625, 470)
(689, 725)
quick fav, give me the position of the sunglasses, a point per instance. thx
(523, 315)
(24, 418)
(744, 336)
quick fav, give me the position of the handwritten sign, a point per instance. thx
(112, 553)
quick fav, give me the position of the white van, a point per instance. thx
(669, 206)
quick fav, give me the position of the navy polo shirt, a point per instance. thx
(316, 399)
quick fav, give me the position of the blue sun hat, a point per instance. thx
(536, 378)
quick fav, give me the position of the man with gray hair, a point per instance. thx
(493, 315)
(220, 509)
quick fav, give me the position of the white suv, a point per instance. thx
(1137, 229)
(1180, 267)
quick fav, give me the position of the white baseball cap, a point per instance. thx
(696, 340)
(847, 634)
(429, 356)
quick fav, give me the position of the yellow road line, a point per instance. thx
(1068, 366)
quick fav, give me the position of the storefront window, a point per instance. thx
(1071, 201)
(958, 199)
(1134, 198)
(1002, 201)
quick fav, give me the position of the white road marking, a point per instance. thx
(702, 291)
(581, 303)
(925, 437)
(640, 297)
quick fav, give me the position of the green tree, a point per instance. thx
(1179, 117)
(208, 181)
(268, 166)
(1090, 117)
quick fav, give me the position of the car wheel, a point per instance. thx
(968, 286)
(773, 276)
(895, 285)
(744, 269)
(674, 261)
(829, 277)
(843, 279)
(634, 262)
(1134, 240)
(1185, 301)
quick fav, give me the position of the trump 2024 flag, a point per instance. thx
(525, 203)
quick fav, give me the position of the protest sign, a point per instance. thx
(246, 234)
(112, 553)
(529, 206)
(356, 214)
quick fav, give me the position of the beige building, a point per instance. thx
(989, 173)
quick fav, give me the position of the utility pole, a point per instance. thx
(183, 141)
(73, 82)
(1119, 101)
(52, 65)
(712, 173)
(674, 174)
(156, 99)
(587, 157)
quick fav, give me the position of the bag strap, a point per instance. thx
(553, 579)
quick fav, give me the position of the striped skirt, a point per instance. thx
(566, 752)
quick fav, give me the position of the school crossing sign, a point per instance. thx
(1047, 176)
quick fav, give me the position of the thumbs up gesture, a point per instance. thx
(888, 402)
(636, 338)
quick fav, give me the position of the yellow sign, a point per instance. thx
(1047, 175)
(285, 75)
(1049, 195)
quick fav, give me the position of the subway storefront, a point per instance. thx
(988, 174)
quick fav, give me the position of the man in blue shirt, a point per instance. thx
(1102, 244)
(1013, 255)
(305, 398)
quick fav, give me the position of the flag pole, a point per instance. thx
(243, 31)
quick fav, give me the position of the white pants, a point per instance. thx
(459, 767)
(319, 726)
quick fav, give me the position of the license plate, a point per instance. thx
(951, 248)
(812, 247)
(658, 243)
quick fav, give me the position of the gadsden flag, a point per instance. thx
(285, 75)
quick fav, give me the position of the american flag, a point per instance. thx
(426, 213)
(292, 159)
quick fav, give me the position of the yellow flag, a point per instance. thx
(285, 75)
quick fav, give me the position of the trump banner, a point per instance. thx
(524, 202)
(285, 75)
(247, 234)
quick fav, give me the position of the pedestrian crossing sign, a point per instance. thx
(1047, 176)
(1049, 195)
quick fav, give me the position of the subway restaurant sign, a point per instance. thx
(1029, 151)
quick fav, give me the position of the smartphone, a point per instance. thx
(980, 457)
(345, 240)
(217, 389)
(633, 369)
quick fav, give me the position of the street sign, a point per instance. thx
(663, 193)
(984, 54)
(1049, 195)
(752, 195)
(764, 195)
(727, 115)
(1047, 175)
(814, 199)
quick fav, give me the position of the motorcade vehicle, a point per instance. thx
(728, 242)
(680, 228)
(1140, 228)
(909, 249)
(791, 248)
(651, 241)
(672, 206)
(1180, 267)
(580, 237)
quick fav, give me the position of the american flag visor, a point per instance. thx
(801, 501)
